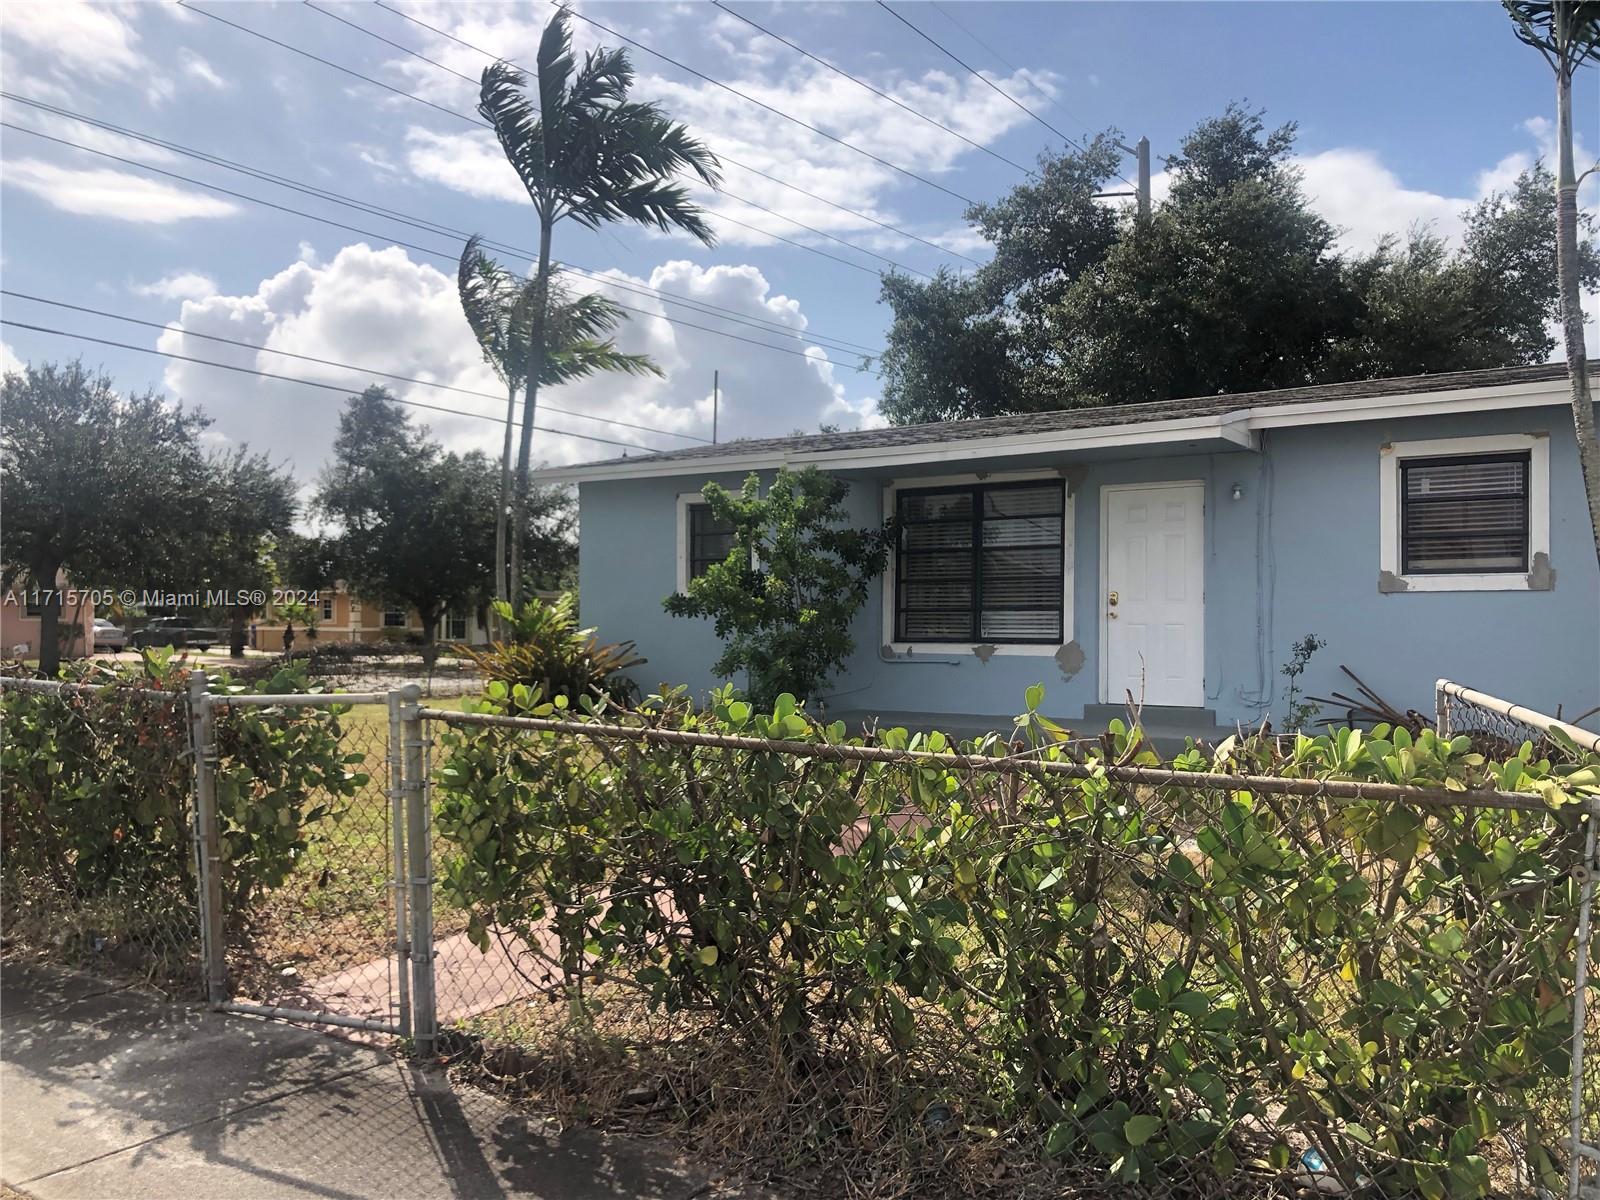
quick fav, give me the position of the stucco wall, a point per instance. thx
(1297, 554)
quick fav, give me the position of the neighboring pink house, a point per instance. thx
(20, 614)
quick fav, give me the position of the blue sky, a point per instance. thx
(1407, 113)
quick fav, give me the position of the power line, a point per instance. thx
(977, 74)
(714, 215)
(725, 158)
(327, 387)
(863, 83)
(403, 49)
(826, 342)
(477, 121)
(440, 254)
(325, 62)
(682, 66)
(329, 362)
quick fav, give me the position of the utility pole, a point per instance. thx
(1141, 193)
(1141, 150)
(715, 396)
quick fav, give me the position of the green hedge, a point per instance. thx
(96, 836)
(1161, 979)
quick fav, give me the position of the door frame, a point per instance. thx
(1103, 621)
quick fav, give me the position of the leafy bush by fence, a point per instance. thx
(1167, 980)
(96, 820)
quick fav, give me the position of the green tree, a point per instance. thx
(498, 305)
(588, 154)
(783, 599)
(1567, 34)
(103, 487)
(1234, 284)
(250, 506)
(416, 524)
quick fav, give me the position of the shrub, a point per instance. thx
(783, 599)
(95, 810)
(1159, 978)
(549, 655)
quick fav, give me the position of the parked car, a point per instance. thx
(178, 632)
(108, 636)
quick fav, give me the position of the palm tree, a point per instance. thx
(1567, 34)
(498, 304)
(589, 154)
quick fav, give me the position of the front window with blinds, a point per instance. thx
(981, 563)
(1464, 514)
(710, 540)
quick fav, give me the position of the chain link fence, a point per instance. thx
(1003, 971)
(928, 968)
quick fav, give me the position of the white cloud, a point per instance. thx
(9, 361)
(733, 126)
(55, 48)
(199, 69)
(379, 309)
(180, 285)
(116, 194)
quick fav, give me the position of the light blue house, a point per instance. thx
(1425, 527)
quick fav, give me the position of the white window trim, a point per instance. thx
(1538, 448)
(1068, 554)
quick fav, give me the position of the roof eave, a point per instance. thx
(1238, 427)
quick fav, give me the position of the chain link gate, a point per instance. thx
(329, 943)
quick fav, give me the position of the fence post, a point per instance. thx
(1580, 997)
(208, 838)
(419, 854)
(1441, 709)
(397, 836)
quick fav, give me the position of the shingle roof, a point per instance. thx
(1023, 424)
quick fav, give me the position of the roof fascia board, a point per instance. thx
(1239, 427)
(1227, 427)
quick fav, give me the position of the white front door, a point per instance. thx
(1152, 595)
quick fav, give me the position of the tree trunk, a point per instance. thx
(501, 510)
(49, 621)
(1567, 274)
(236, 634)
(530, 382)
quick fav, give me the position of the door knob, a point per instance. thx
(1112, 599)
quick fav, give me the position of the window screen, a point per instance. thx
(982, 563)
(710, 540)
(1465, 513)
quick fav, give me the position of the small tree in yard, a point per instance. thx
(783, 599)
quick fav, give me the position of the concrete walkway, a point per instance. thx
(108, 1093)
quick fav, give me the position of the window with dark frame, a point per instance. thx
(457, 628)
(1464, 514)
(981, 563)
(710, 540)
(394, 618)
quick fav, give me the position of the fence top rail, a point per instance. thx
(295, 699)
(59, 687)
(1585, 738)
(1333, 789)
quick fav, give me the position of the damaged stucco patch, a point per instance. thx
(1070, 659)
(1543, 576)
(984, 652)
(1389, 582)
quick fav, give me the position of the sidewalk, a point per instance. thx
(111, 1094)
